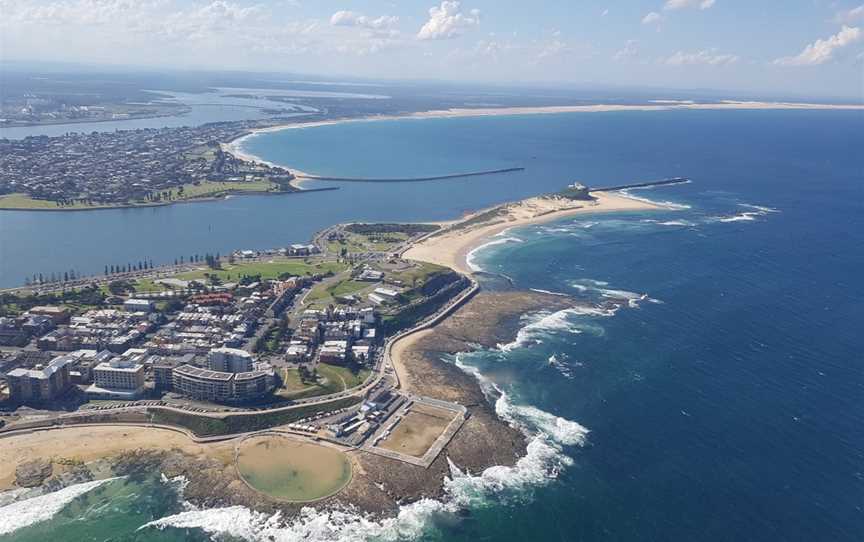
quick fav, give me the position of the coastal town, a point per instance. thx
(147, 166)
(305, 345)
(313, 347)
(431, 271)
(300, 332)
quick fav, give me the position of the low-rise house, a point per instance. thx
(60, 315)
(138, 305)
(334, 352)
(297, 351)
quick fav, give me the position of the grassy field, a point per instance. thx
(267, 270)
(323, 294)
(334, 380)
(213, 189)
(23, 201)
(344, 375)
(417, 275)
(147, 285)
(205, 426)
(354, 242)
(190, 192)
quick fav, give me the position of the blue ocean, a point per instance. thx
(723, 402)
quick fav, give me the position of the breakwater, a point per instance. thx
(409, 179)
(673, 180)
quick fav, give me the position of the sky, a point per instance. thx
(802, 47)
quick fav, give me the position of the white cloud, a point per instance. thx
(671, 5)
(652, 18)
(604, 13)
(630, 50)
(821, 51)
(350, 18)
(708, 57)
(850, 16)
(79, 12)
(553, 48)
(448, 21)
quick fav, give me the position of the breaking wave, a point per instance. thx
(670, 204)
(560, 366)
(549, 292)
(745, 216)
(545, 458)
(42, 508)
(537, 325)
(470, 258)
(598, 288)
(679, 223)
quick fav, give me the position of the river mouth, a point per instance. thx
(293, 471)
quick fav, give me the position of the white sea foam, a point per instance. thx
(745, 216)
(538, 325)
(531, 420)
(762, 208)
(539, 290)
(470, 257)
(678, 223)
(670, 204)
(544, 460)
(560, 366)
(30, 511)
(742, 217)
(632, 299)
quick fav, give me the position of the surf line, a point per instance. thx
(409, 179)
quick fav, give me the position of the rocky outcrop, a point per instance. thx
(33, 473)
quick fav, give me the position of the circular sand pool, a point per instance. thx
(291, 470)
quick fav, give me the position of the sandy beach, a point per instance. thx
(453, 247)
(91, 443)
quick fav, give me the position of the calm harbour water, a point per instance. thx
(726, 403)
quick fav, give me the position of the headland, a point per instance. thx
(395, 429)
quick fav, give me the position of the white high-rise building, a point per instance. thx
(118, 378)
(230, 360)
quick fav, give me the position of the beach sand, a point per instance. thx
(90, 443)
(452, 247)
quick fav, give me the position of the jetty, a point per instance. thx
(663, 182)
(408, 179)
